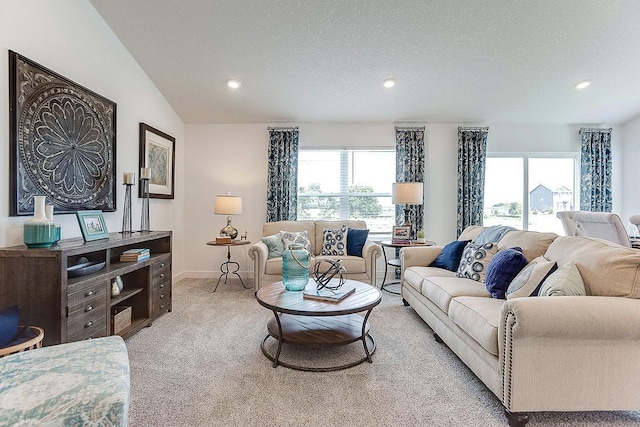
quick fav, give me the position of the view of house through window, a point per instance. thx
(527, 191)
(347, 184)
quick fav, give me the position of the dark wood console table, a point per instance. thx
(78, 308)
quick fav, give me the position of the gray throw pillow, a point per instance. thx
(275, 245)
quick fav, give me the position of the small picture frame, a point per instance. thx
(401, 232)
(92, 225)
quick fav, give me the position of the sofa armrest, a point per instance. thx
(371, 251)
(566, 353)
(259, 253)
(572, 317)
(419, 255)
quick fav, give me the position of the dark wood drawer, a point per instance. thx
(96, 330)
(160, 271)
(161, 302)
(164, 283)
(83, 295)
(84, 316)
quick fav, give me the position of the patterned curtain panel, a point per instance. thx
(472, 159)
(282, 179)
(595, 170)
(410, 168)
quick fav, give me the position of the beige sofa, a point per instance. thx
(266, 271)
(569, 353)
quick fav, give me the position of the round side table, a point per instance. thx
(224, 267)
(395, 262)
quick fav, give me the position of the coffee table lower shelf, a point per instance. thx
(319, 331)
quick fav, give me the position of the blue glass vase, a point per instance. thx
(295, 267)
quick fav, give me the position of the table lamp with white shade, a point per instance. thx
(407, 193)
(228, 205)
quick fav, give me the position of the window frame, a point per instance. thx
(525, 156)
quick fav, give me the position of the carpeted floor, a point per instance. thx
(201, 365)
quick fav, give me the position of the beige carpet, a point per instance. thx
(201, 365)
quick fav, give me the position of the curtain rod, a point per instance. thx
(601, 130)
(282, 128)
(404, 128)
(486, 128)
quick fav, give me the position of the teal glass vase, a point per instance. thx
(295, 267)
(39, 232)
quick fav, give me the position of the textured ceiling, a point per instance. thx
(491, 61)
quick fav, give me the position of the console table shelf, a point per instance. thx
(73, 309)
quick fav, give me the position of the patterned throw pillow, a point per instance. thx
(302, 237)
(475, 259)
(334, 241)
(527, 282)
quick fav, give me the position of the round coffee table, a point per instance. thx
(310, 322)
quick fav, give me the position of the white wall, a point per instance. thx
(224, 158)
(71, 39)
(630, 135)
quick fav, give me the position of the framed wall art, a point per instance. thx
(63, 142)
(158, 152)
(92, 225)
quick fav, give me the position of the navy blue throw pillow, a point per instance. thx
(356, 237)
(450, 256)
(502, 269)
(9, 318)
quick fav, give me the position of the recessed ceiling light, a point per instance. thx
(233, 84)
(390, 82)
(582, 84)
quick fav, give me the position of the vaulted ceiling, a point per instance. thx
(462, 61)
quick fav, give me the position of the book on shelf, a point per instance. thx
(328, 295)
(135, 255)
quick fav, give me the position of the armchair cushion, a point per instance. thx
(334, 241)
(356, 238)
(275, 245)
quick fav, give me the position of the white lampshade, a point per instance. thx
(407, 193)
(228, 205)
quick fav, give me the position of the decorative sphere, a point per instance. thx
(323, 275)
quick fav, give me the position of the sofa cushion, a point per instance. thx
(475, 259)
(528, 281)
(502, 269)
(450, 256)
(479, 318)
(356, 239)
(607, 268)
(565, 281)
(415, 275)
(301, 237)
(533, 243)
(271, 228)
(274, 244)
(471, 232)
(441, 290)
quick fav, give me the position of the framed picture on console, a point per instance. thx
(62, 142)
(157, 152)
(92, 225)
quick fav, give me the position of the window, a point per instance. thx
(347, 184)
(525, 191)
